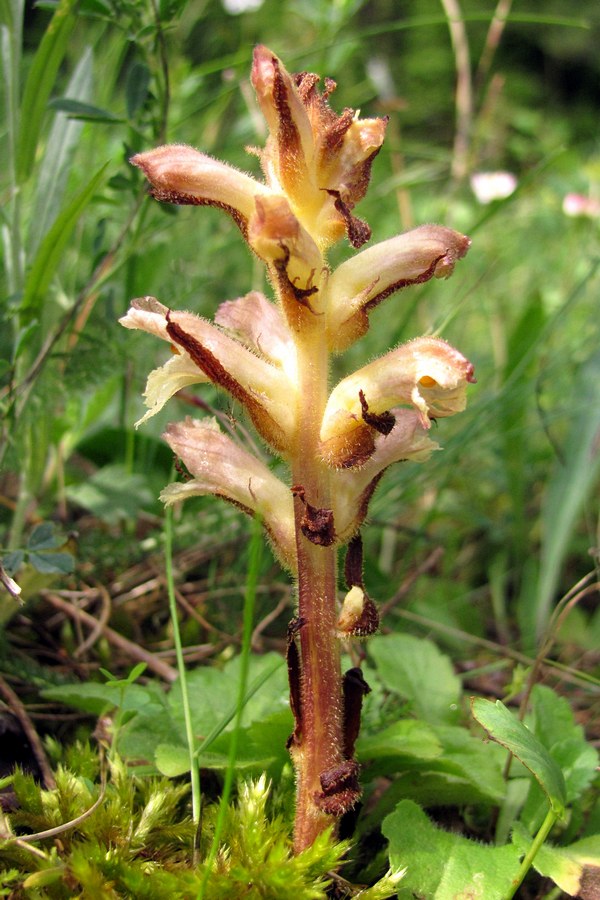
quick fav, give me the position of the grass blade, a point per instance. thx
(573, 480)
(52, 247)
(40, 82)
(58, 154)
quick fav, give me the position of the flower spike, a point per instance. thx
(274, 359)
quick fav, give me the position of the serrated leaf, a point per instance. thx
(444, 865)
(417, 670)
(503, 727)
(52, 563)
(51, 249)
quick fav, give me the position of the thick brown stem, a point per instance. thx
(317, 748)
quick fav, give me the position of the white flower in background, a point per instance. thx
(237, 7)
(489, 186)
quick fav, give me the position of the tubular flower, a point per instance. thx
(273, 358)
(221, 467)
(360, 284)
(426, 373)
(261, 387)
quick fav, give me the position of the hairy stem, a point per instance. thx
(318, 748)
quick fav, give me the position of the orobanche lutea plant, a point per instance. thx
(274, 359)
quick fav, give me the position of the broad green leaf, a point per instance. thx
(419, 672)
(40, 83)
(260, 745)
(464, 771)
(408, 737)
(443, 865)
(97, 698)
(505, 728)
(213, 693)
(172, 760)
(51, 249)
(575, 869)
(213, 696)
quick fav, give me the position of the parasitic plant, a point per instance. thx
(274, 359)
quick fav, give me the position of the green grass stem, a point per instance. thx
(254, 561)
(185, 700)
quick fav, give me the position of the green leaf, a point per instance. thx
(172, 760)
(57, 160)
(97, 698)
(112, 494)
(408, 737)
(13, 561)
(51, 249)
(553, 722)
(213, 696)
(40, 83)
(463, 772)
(505, 728)
(419, 672)
(52, 563)
(575, 869)
(136, 87)
(76, 109)
(45, 536)
(261, 745)
(445, 866)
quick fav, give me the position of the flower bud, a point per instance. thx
(359, 616)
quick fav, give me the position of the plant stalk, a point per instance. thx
(319, 748)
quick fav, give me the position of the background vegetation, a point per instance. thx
(472, 550)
